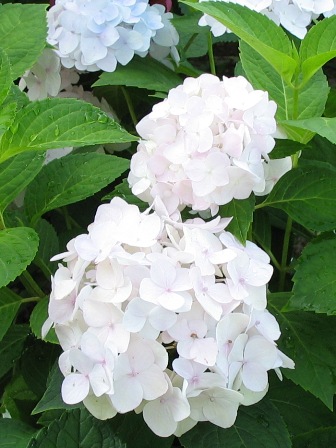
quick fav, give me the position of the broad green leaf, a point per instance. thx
(320, 149)
(134, 433)
(18, 399)
(36, 362)
(48, 247)
(330, 110)
(262, 229)
(23, 32)
(5, 76)
(314, 280)
(308, 195)
(309, 102)
(322, 437)
(284, 148)
(257, 30)
(76, 429)
(318, 47)
(145, 73)
(9, 306)
(301, 411)
(57, 123)
(309, 339)
(37, 318)
(52, 398)
(16, 173)
(15, 433)
(7, 116)
(326, 127)
(71, 179)
(193, 39)
(17, 96)
(11, 347)
(18, 247)
(257, 426)
(242, 216)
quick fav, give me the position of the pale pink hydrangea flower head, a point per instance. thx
(207, 143)
(139, 290)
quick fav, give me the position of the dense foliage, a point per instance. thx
(168, 193)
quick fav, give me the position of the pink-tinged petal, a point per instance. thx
(162, 319)
(171, 301)
(75, 388)
(153, 382)
(261, 351)
(80, 361)
(255, 376)
(99, 382)
(128, 394)
(159, 419)
(222, 406)
(182, 281)
(149, 291)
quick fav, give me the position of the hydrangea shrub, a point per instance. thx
(167, 217)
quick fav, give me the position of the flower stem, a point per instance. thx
(130, 106)
(211, 55)
(189, 43)
(31, 286)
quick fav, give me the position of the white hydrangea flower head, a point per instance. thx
(205, 144)
(294, 15)
(44, 78)
(139, 289)
(96, 35)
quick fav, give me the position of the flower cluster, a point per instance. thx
(140, 292)
(294, 15)
(205, 144)
(95, 35)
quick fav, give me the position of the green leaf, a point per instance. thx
(308, 195)
(262, 229)
(318, 47)
(37, 318)
(311, 98)
(242, 216)
(261, 33)
(322, 437)
(7, 116)
(9, 306)
(71, 179)
(11, 347)
(57, 123)
(15, 433)
(16, 173)
(48, 247)
(301, 411)
(52, 398)
(326, 127)
(284, 148)
(5, 76)
(36, 362)
(193, 39)
(314, 280)
(77, 429)
(18, 247)
(309, 339)
(320, 149)
(257, 426)
(23, 33)
(18, 399)
(132, 430)
(144, 73)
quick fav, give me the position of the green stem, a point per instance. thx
(2, 222)
(30, 284)
(130, 106)
(285, 249)
(211, 55)
(31, 299)
(189, 43)
(275, 262)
